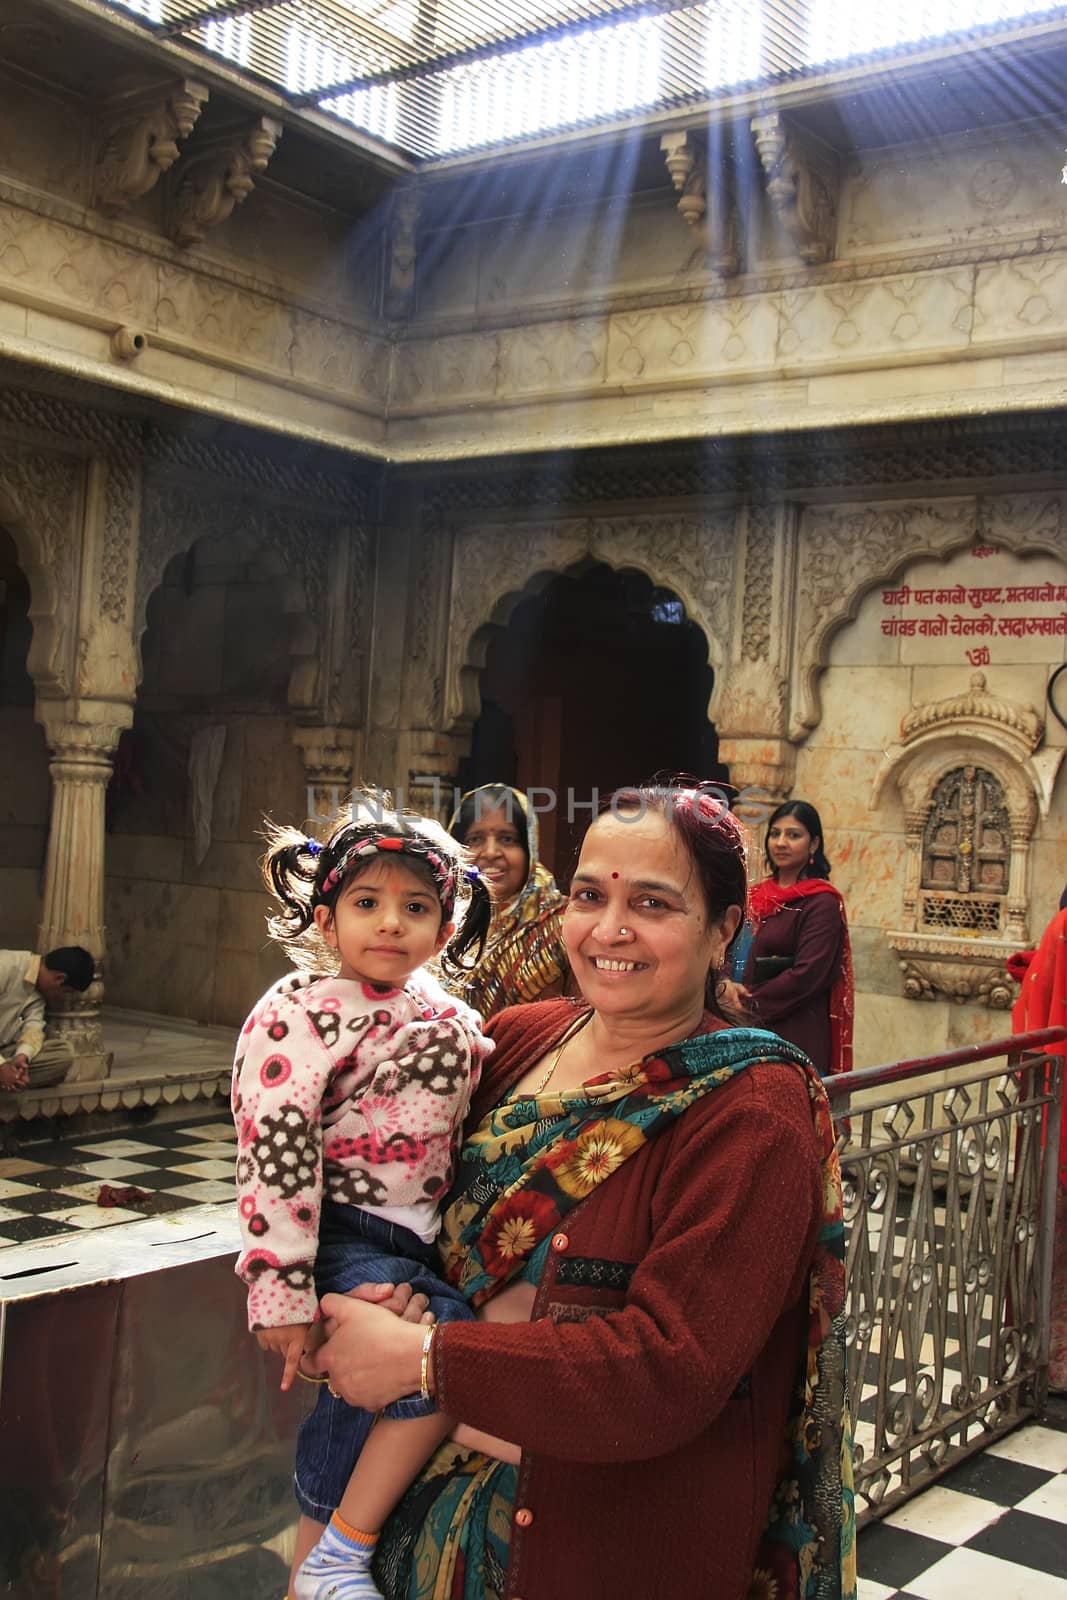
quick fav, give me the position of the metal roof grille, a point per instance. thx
(438, 77)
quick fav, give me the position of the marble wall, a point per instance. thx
(873, 679)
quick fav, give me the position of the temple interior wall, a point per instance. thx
(871, 682)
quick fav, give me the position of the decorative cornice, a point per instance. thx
(139, 140)
(970, 711)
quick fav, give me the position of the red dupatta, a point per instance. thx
(766, 900)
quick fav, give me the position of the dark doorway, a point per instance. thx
(597, 681)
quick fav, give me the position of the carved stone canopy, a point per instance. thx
(972, 779)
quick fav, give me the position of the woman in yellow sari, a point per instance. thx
(525, 957)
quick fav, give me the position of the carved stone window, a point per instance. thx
(972, 780)
(966, 852)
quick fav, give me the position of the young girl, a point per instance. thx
(349, 1091)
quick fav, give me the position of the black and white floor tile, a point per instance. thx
(54, 1189)
(995, 1526)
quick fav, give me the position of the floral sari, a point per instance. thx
(526, 1165)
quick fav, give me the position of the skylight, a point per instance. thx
(460, 75)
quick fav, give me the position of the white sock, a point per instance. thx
(337, 1569)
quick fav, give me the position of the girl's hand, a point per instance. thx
(289, 1343)
(371, 1356)
(487, 1444)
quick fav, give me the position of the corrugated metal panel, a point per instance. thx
(436, 77)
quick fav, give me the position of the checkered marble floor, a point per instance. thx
(995, 1526)
(52, 1189)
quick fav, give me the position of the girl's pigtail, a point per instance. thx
(472, 933)
(291, 869)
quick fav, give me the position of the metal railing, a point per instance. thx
(949, 1214)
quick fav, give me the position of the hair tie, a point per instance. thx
(313, 847)
(472, 874)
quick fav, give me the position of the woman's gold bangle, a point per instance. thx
(308, 1378)
(424, 1370)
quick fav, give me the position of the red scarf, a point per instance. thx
(766, 900)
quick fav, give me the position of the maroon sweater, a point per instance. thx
(796, 1003)
(649, 1391)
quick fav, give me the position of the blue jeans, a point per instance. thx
(357, 1247)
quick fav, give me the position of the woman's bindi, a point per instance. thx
(614, 874)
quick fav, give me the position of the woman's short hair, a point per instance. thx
(808, 817)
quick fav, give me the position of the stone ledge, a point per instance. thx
(114, 1094)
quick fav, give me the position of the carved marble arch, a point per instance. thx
(691, 555)
(179, 526)
(847, 551)
(51, 601)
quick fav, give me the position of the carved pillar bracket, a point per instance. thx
(709, 209)
(139, 140)
(220, 177)
(329, 758)
(73, 912)
(403, 253)
(802, 181)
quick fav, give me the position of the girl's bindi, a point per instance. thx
(614, 874)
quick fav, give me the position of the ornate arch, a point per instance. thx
(495, 565)
(292, 550)
(40, 504)
(845, 551)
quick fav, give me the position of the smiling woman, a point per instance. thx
(524, 957)
(646, 1215)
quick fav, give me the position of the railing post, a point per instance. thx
(1050, 1177)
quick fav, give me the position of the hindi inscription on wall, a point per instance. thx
(980, 608)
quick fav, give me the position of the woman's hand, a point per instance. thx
(399, 1298)
(371, 1356)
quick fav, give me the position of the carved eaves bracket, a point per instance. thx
(802, 180)
(219, 177)
(403, 249)
(709, 209)
(139, 140)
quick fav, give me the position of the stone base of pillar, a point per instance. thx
(79, 1025)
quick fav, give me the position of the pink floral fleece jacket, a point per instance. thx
(348, 1091)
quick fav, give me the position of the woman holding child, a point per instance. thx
(646, 1217)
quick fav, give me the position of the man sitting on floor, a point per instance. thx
(26, 982)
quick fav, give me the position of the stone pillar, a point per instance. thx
(73, 911)
(330, 758)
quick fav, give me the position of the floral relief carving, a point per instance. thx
(120, 518)
(759, 579)
(689, 553)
